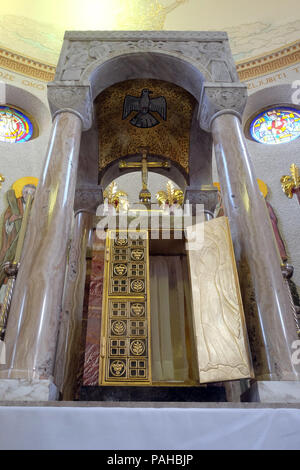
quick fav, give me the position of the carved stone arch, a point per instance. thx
(207, 52)
(199, 62)
(151, 65)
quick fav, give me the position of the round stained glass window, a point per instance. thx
(15, 126)
(276, 126)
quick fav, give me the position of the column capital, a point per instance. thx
(76, 99)
(88, 198)
(208, 196)
(219, 99)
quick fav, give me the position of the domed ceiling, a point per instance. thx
(35, 28)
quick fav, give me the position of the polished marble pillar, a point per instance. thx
(67, 355)
(32, 328)
(270, 322)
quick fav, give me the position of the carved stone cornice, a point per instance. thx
(83, 51)
(154, 35)
(72, 98)
(248, 69)
(88, 198)
(229, 98)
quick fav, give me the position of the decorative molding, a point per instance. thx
(207, 51)
(154, 35)
(26, 66)
(266, 64)
(247, 70)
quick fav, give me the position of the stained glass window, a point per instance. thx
(276, 126)
(15, 126)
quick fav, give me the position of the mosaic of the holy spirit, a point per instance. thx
(15, 126)
(143, 112)
(276, 126)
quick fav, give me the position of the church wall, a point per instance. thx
(23, 159)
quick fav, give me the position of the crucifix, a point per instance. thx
(144, 164)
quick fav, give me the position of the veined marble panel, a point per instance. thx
(27, 390)
(93, 330)
(285, 391)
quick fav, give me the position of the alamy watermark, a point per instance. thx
(172, 223)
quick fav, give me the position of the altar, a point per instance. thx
(109, 313)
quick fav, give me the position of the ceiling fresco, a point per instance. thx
(35, 29)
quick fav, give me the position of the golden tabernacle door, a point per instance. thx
(216, 347)
(125, 341)
(219, 323)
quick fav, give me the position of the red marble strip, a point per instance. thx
(93, 330)
(91, 365)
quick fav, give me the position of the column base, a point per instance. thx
(273, 392)
(28, 390)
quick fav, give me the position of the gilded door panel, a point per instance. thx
(219, 323)
(125, 341)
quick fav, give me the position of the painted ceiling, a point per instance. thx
(35, 28)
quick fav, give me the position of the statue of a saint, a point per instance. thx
(12, 224)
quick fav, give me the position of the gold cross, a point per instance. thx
(145, 195)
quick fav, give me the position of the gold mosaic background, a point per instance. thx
(170, 138)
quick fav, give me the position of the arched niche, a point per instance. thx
(186, 77)
(152, 65)
(31, 104)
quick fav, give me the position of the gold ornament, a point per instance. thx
(144, 195)
(121, 241)
(171, 197)
(118, 199)
(120, 269)
(118, 328)
(2, 179)
(137, 285)
(290, 183)
(137, 348)
(137, 254)
(137, 310)
(117, 368)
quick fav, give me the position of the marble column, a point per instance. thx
(67, 355)
(32, 328)
(270, 321)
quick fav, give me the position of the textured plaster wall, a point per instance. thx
(23, 159)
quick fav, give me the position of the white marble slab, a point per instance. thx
(273, 392)
(27, 390)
